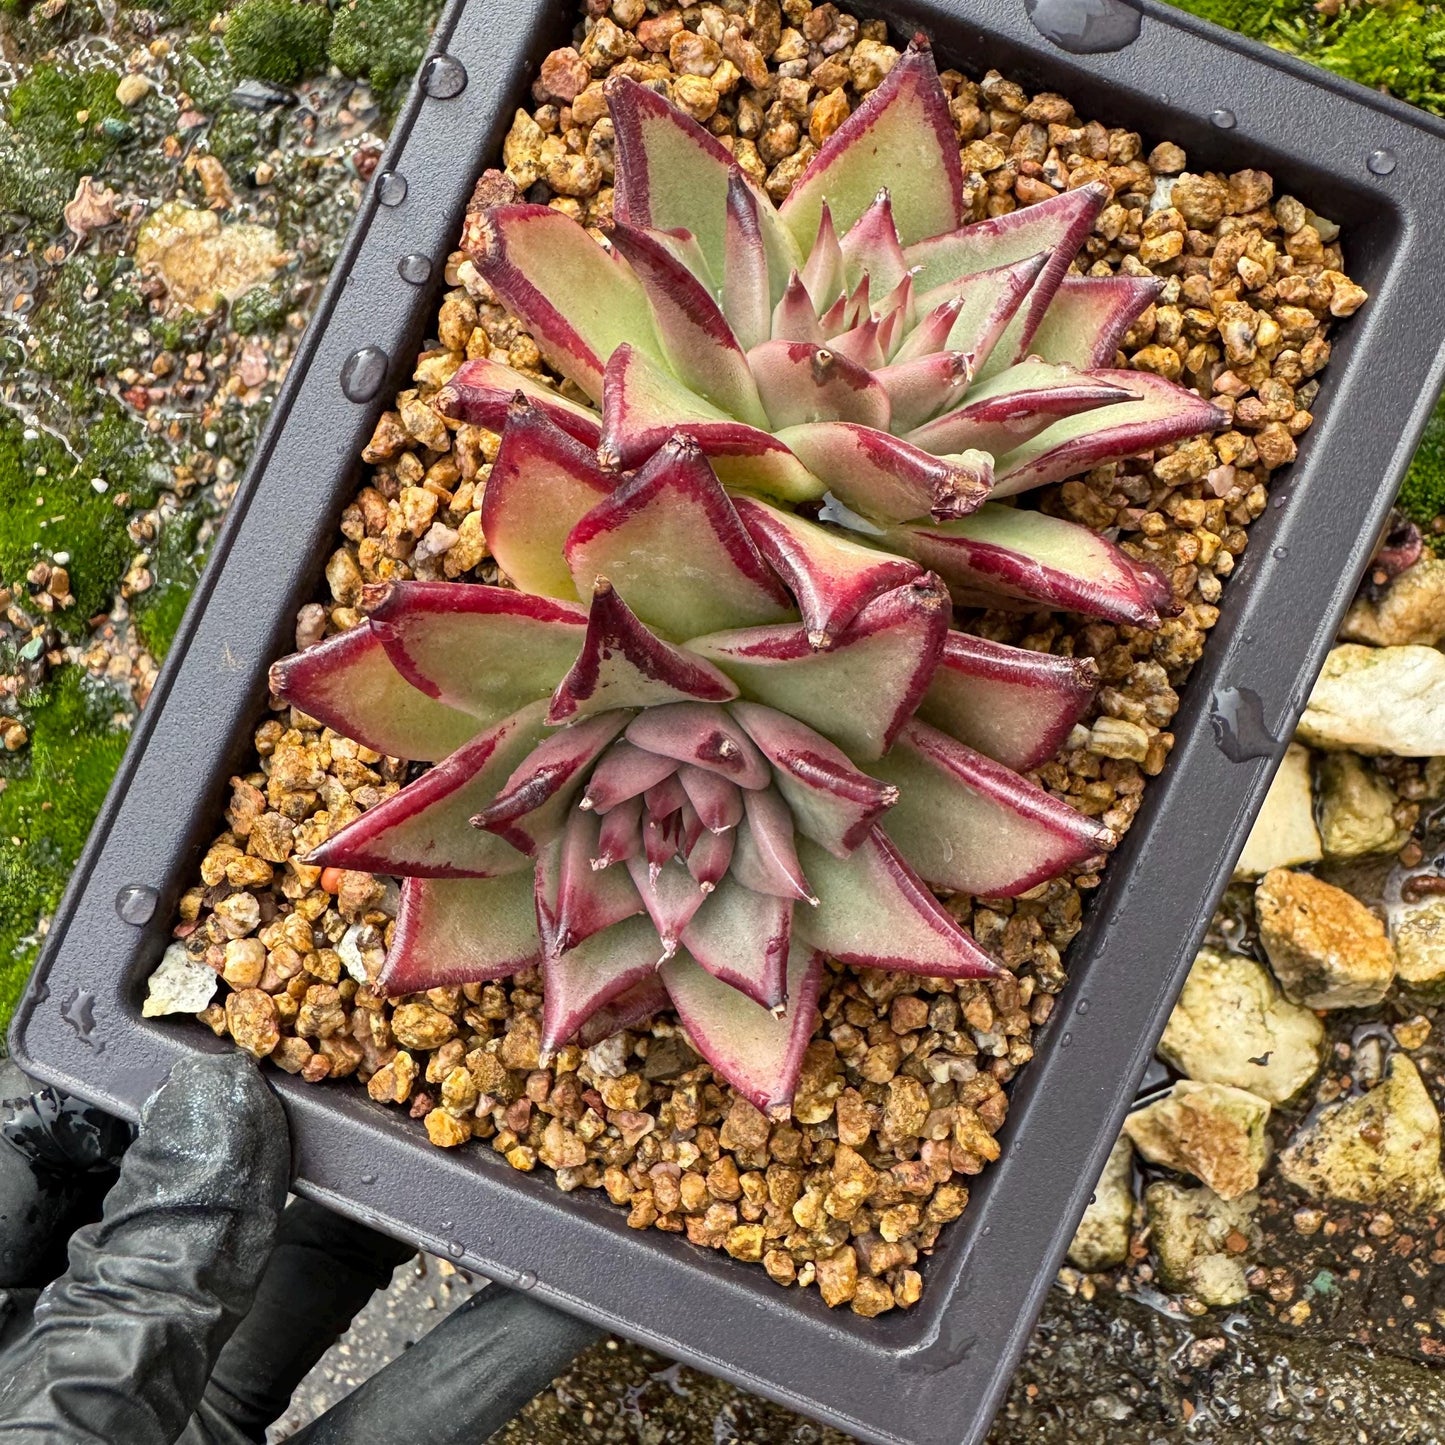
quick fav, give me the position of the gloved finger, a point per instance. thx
(464, 1381)
(322, 1270)
(57, 1159)
(123, 1342)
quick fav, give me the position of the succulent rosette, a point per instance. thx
(719, 727)
(855, 348)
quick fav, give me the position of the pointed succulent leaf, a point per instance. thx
(864, 688)
(542, 481)
(622, 664)
(670, 173)
(747, 299)
(1014, 405)
(1089, 316)
(822, 271)
(671, 896)
(898, 316)
(645, 406)
(581, 983)
(1056, 228)
(711, 855)
(672, 545)
(425, 830)
(700, 346)
(806, 383)
(665, 798)
(485, 650)
(756, 1051)
(874, 911)
(532, 806)
(930, 332)
(620, 836)
(741, 937)
(871, 249)
(461, 930)
(349, 683)
(1011, 704)
(885, 477)
(832, 802)
(624, 772)
(1009, 552)
(765, 858)
(921, 388)
(900, 139)
(794, 317)
(831, 576)
(629, 1009)
(588, 899)
(481, 392)
(987, 304)
(1163, 412)
(704, 736)
(968, 823)
(578, 301)
(861, 344)
(716, 798)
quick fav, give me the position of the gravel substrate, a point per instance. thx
(902, 1091)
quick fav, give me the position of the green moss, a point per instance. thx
(278, 40)
(53, 790)
(262, 308)
(1422, 497)
(1248, 17)
(1399, 47)
(382, 40)
(44, 106)
(176, 562)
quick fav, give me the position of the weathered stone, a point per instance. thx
(1326, 948)
(180, 984)
(1382, 1148)
(1233, 1026)
(1284, 834)
(1379, 700)
(1357, 809)
(1411, 611)
(1212, 1131)
(201, 261)
(1102, 1238)
(1193, 1231)
(1418, 932)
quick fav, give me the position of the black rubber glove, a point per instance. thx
(195, 1305)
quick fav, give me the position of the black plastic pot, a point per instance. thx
(936, 1373)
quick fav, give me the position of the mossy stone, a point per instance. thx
(382, 40)
(278, 40)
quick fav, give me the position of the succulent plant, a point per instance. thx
(719, 726)
(854, 348)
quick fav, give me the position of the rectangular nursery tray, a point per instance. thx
(937, 1373)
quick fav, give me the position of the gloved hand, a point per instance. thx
(197, 1303)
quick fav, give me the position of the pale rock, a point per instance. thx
(1382, 1148)
(1196, 1235)
(1326, 948)
(1357, 809)
(1102, 1238)
(1212, 1131)
(1284, 834)
(1418, 931)
(203, 262)
(1412, 609)
(180, 985)
(132, 89)
(1378, 700)
(1233, 1026)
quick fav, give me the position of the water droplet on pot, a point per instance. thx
(444, 77)
(1066, 1040)
(458, 1249)
(1237, 716)
(1224, 118)
(1278, 500)
(1281, 553)
(390, 188)
(1082, 1007)
(445, 1226)
(1085, 27)
(415, 268)
(1381, 162)
(78, 1010)
(363, 372)
(368, 1178)
(526, 1280)
(136, 902)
